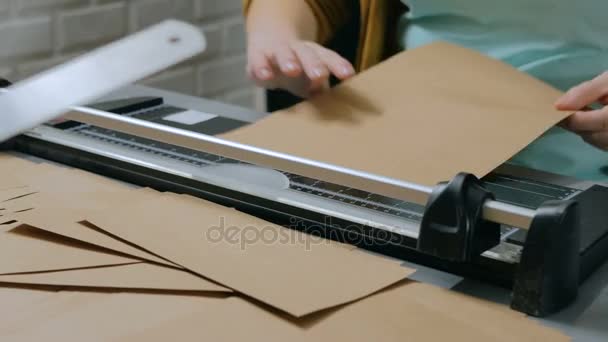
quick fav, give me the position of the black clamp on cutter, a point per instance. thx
(452, 227)
(547, 277)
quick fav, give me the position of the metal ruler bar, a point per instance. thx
(390, 187)
(45, 96)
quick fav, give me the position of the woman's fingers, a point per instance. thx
(287, 61)
(337, 65)
(592, 126)
(597, 139)
(314, 68)
(589, 121)
(300, 67)
(585, 94)
(259, 67)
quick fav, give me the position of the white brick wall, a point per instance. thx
(37, 34)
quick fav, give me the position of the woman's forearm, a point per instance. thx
(294, 19)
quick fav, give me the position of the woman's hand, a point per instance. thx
(277, 60)
(591, 125)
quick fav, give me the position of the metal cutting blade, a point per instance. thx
(48, 95)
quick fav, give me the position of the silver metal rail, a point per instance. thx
(494, 211)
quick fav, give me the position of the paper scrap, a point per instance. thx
(14, 193)
(291, 271)
(64, 223)
(138, 276)
(422, 116)
(24, 251)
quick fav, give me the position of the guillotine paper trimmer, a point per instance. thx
(540, 234)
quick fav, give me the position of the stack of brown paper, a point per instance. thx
(8, 196)
(87, 258)
(134, 248)
(421, 116)
(32, 256)
(65, 223)
(294, 287)
(321, 273)
(24, 252)
(136, 276)
(63, 251)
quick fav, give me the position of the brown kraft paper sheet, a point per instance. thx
(422, 116)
